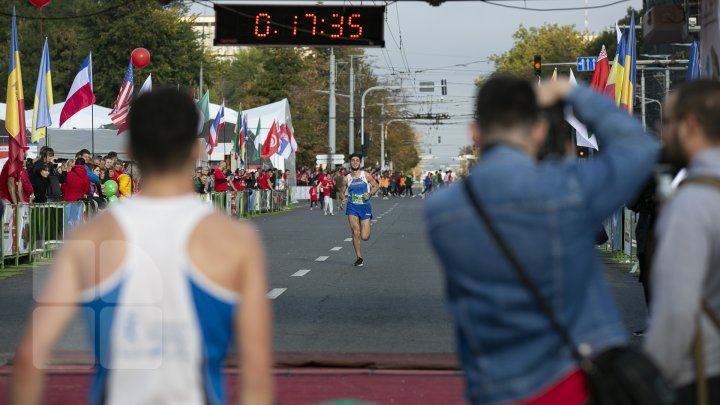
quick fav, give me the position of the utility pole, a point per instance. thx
(202, 59)
(331, 109)
(642, 90)
(382, 137)
(351, 123)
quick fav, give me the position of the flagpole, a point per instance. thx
(224, 139)
(92, 128)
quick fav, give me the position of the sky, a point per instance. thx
(458, 37)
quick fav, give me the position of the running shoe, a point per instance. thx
(358, 262)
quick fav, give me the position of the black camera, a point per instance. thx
(558, 135)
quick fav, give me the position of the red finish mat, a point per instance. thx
(70, 385)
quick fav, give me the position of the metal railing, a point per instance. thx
(248, 203)
(35, 231)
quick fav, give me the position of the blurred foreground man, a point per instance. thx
(686, 266)
(548, 212)
(160, 292)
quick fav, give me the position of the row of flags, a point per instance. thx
(79, 97)
(617, 82)
(279, 139)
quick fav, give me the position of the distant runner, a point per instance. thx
(359, 187)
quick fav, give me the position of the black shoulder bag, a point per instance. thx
(618, 376)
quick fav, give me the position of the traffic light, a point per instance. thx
(583, 152)
(443, 86)
(538, 65)
(366, 144)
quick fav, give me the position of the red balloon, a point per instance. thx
(40, 3)
(140, 57)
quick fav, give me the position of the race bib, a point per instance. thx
(357, 199)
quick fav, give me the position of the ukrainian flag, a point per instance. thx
(617, 72)
(627, 98)
(43, 98)
(15, 113)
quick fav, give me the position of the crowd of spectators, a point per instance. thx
(219, 179)
(48, 179)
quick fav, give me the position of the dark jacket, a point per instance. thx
(77, 184)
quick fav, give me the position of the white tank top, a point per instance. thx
(160, 328)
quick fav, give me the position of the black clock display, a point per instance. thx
(293, 25)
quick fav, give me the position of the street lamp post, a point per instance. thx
(382, 141)
(362, 109)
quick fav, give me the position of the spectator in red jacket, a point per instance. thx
(28, 194)
(313, 195)
(239, 180)
(221, 183)
(77, 183)
(118, 169)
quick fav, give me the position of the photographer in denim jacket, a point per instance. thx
(548, 211)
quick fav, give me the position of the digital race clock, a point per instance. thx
(293, 25)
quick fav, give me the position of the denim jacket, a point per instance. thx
(549, 213)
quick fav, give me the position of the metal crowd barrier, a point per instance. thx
(34, 231)
(248, 203)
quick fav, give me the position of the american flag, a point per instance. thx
(119, 113)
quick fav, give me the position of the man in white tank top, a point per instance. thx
(160, 291)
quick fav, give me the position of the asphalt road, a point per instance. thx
(393, 304)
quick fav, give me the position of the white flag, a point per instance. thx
(147, 86)
(581, 131)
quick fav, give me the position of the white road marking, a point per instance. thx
(275, 292)
(336, 248)
(300, 273)
(348, 239)
(374, 220)
(322, 258)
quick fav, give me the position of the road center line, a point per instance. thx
(300, 273)
(275, 292)
(322, 258)
(348, 239)
(336, 248)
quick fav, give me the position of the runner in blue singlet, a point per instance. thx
(359, 187)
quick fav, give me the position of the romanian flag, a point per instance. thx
(613, 88)
(43, 98)
(627, 97)
(15, 113)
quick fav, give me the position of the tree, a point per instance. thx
(260, 76)
(555, 43)
(400, 142)
(118, 28)
(174, 46)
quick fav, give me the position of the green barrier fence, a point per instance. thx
(34, 231)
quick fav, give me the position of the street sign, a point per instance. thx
(336, 159)
(427, 87)
(586, 63)
(331, 156)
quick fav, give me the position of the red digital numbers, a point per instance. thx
(352, 24)
(313, 17)
(258, 18)
(338, 25)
